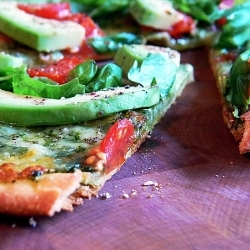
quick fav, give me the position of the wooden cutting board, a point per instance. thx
(187, 187)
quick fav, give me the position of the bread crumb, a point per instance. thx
(133, 193)
(105, 196)
(32, 222)
(125, 196)
(150, 183)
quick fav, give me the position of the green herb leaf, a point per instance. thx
(200, 10)
(7, 74)
(107, 76)
(84, 72)
(235, 33)
(25, 85)
(237, 89)
(154, 70)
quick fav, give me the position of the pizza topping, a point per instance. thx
(234, 33)
(128, 54)
(33, 111)
(113, 149)
(32, 172)
(158, 14)
(161, 15)
(9, 172)
(62, 11)
(58, 71)
(117, 143)
(182, 27)
(49, 10)
(96, 159)
(237, 89)
(39, 33)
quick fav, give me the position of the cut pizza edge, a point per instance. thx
(237, 121)
(39, 193)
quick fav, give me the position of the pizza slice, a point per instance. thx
(229, 59)
(62, 140)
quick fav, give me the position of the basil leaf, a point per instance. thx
(7, 74)
(84, 72)
(154, 70)
(107, 76)
(25, 85)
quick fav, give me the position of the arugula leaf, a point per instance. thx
(154, 70)
(113, 42)
(109, 75)
(25, 85)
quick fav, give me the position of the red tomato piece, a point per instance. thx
(49, 10)
(185, 26)
(221, 22)
(57, 72)
(116, 143)
(61, 11)
(92, 29)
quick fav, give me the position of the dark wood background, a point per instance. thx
(201, 200)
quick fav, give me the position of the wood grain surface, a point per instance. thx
(199, 197)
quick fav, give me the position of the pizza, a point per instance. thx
(69, 120)
(78, 99)
(229, 58)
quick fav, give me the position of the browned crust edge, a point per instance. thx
(44, 196)
(239, 128)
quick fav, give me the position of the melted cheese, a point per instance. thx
(53, 147)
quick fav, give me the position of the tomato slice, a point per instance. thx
(91, 28)
(61, 11)
(116, 143)
(49, 10)
(184, 26)
(58, 71)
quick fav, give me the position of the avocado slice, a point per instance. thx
(38, 33)
(128, 54)
(158, 14)
(22, 110)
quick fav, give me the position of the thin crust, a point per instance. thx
(53, 192)
(45, 196)
(239, 127)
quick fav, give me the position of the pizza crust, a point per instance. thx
(239, 128)
(45, 196)
(244, 145)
